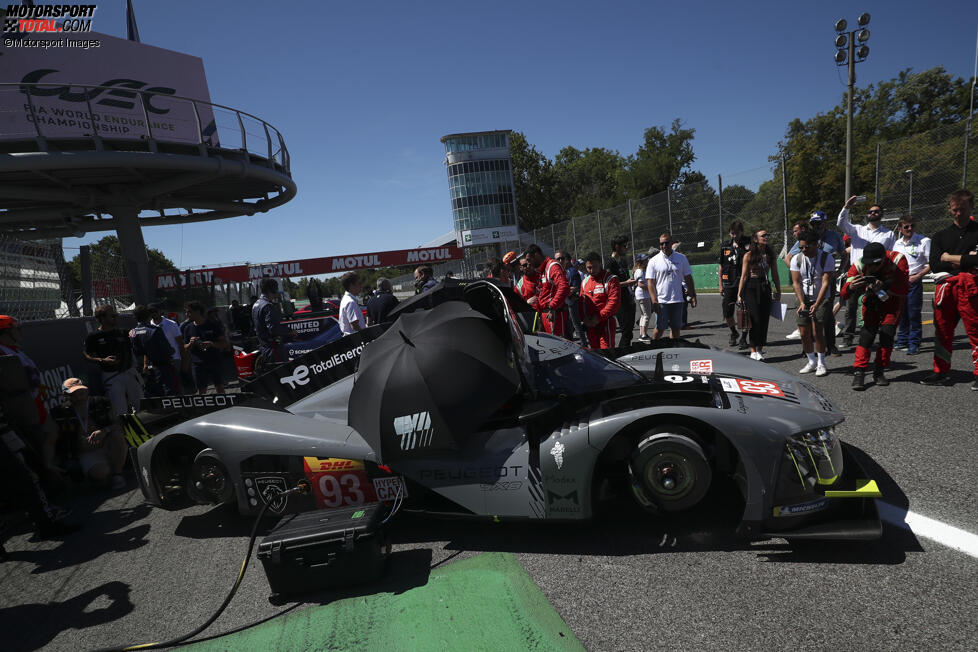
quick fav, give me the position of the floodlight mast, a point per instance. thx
(848, 57)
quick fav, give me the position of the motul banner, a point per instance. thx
(308, 267)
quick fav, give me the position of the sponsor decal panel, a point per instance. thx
(338, 482)
(756, 387)
(802, 508)
(558, 452)
(701, 366)
(415, 430)
(484, 474)
(387, 489)
(271, 488)
(563, 503)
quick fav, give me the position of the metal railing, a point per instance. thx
(187, 121)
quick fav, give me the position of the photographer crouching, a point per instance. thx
(882, 278)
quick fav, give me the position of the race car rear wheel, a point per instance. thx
(669, 470)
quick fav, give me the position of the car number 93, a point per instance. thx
(335, 491)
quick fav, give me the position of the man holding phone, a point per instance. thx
(881, 277)
(862, 235)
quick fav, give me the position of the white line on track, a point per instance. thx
(928, 528)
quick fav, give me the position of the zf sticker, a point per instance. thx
(701, 366)
(761, 387)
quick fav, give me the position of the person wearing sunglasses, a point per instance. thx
(862, 235)
(916, 248)
(756, 292)
(664, 276)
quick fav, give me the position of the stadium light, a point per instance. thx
(847, 54)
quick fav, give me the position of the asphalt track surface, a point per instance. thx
(627, 582)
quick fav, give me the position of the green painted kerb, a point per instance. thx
(487, 602)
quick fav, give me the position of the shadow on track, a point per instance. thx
(39, 623)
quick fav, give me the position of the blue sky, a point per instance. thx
(363, 91)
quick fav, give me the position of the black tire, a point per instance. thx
(669, 470)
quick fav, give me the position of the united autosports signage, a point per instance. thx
(309, 266)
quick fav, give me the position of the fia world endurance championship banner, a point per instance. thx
(315, 370)
(52, 77)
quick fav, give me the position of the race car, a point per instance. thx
(309, 331)
(453, 410)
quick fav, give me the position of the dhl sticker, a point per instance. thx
(330, 464)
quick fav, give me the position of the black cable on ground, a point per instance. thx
(227, 600)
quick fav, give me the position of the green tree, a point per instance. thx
(660, 161)
(107, 260)
(533, 183)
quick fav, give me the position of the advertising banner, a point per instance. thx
(480, 237)
(137, 104)
(308, 266)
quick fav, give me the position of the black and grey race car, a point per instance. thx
(452, 409)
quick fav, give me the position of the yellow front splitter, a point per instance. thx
(864, 489)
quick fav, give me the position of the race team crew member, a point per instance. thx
(267, 318)
(600, 301)
(618, 265)
(731, 257)
(954, 259)
(10, 345)
(205, 341)
(110, 349)
(883, 278)
(553, 291)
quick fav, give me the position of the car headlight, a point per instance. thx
(816, 456)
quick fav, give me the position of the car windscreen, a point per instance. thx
(562, 368)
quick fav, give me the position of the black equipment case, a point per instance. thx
(325, 549)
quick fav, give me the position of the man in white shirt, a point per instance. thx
(664, 277)
(350, 313)
(179, 360)
(811, 277)
(862, 235)
(916, 248)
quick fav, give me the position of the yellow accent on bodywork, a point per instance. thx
(864, 489)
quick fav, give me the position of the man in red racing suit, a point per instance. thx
(600, 300)
(552, 297)
(882, 277)
(954, 261)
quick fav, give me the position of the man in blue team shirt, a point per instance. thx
(574, 281)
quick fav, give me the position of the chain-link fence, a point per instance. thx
(34, 280)
(914, 175)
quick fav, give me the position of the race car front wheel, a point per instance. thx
(669, 470)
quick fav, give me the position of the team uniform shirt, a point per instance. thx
(528, 288)
(103, 343)
(172, 332)
(917, 251)
(641, 289)
(862, 235)
(668, 272)
(894, 276)
(731, 259)
(811, 271)
(553, 286)
(379, 305)
(209, 331)
(266, 316)
(349, 313)
(954, 240)
(601, 298)
(33, 377)
(619, 267)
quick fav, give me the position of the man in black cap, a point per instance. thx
(882, 278)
